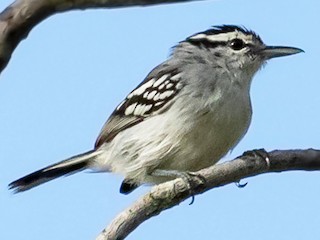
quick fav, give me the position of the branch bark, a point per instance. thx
(18, 19)
(169, 194)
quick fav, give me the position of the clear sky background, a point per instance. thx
(73, 69)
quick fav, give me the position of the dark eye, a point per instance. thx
(237, 44)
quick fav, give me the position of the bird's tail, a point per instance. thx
(65, 167)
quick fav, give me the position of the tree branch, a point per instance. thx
(17, 20)
(169, 194)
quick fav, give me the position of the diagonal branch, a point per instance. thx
(17, 20)
(169, 194)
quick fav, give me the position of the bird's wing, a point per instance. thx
(151, 97)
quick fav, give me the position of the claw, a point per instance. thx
(186, 176)
(192, 200)
(241, 185)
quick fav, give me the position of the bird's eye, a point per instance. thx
(237, 44)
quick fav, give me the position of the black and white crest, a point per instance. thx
(225, 33)
(229, 29)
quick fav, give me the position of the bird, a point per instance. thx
(188, 112)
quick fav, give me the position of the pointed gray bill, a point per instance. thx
(279, 51)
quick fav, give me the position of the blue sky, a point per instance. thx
(66, 78)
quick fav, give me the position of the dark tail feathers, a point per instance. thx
(65, 167)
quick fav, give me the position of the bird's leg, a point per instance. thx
(185, 176)
(261, 153)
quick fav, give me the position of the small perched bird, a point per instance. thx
(186, 115)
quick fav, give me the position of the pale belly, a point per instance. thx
(209, 139)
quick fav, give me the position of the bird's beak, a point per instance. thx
(279, 51)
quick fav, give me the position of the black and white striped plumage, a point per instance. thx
(150, 97)
(187, 113)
